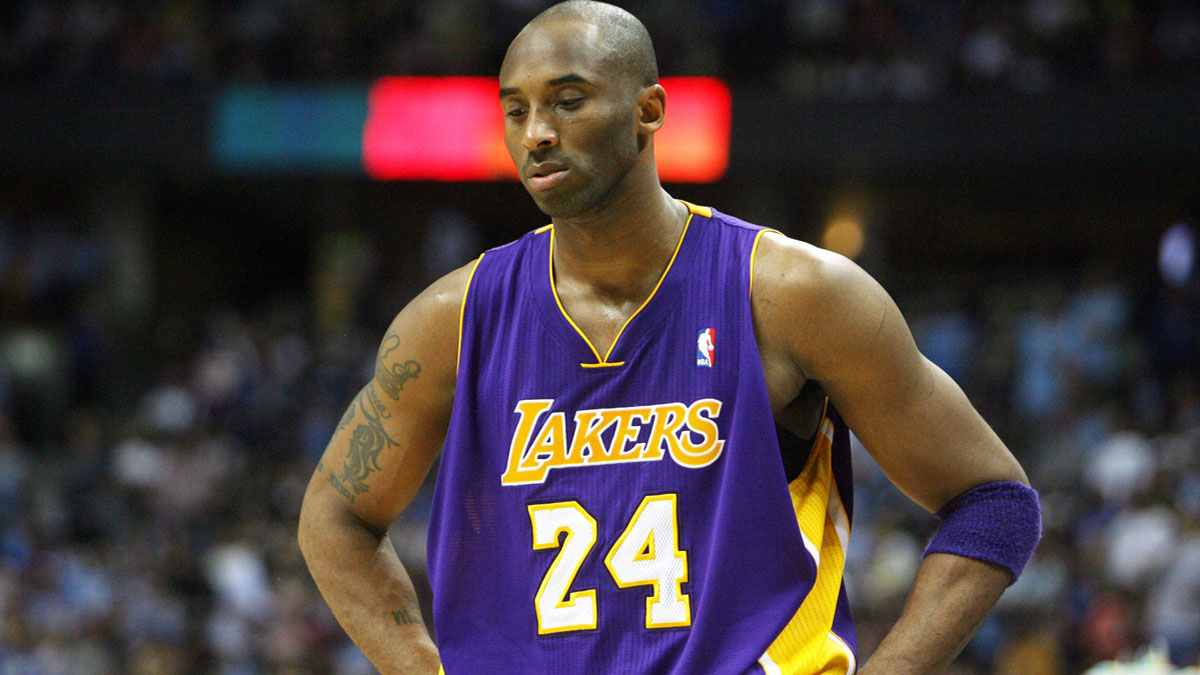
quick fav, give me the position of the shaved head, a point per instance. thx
(581, 100)
(623, 38)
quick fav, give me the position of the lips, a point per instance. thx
(546, 175)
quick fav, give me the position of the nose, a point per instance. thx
(540, 134)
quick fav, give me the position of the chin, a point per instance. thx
(559, 206)
(543, 206)
(570, 200)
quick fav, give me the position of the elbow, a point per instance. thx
(327, 527)
(314, 525)
(1016, 474)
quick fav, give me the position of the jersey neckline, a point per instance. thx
(646, 319)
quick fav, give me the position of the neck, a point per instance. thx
(621, 249)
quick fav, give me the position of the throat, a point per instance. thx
(619, 255)
(600, 290)
(602, 304)
(600, 321)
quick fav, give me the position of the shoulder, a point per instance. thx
(500, 264)
(436, 312)
(443, 298)
(780, 262)
(428, 326)
(797, 276)
(446, 294)
(807, 299)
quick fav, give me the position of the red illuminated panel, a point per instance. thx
(451, 129)
(693, 144)
(427, 128)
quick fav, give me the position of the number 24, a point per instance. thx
(646, 554)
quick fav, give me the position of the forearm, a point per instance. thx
(369, 591)
(949, 600)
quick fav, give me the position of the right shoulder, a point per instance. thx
(438, 309)
(428, 329)
(445, 296)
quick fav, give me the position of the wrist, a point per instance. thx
(998, 523)
(417, 659)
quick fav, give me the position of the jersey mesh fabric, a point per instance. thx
(544, 436)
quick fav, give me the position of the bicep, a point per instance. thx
(379, 455)
(912, 417)
(390, 434)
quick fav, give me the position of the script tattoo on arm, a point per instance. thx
(392, 376)
(410, 614)
(402, 617)
(367, 440)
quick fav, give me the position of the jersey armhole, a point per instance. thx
(754, 255)
(462, 312)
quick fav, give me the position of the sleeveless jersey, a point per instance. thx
(629, 512)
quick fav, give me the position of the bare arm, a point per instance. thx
(377, 459)
(847, 333)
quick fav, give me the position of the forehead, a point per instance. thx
(548, 50)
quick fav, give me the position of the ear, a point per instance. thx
(652, 108)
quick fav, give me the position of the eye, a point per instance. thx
(514, 112)
(570, 103)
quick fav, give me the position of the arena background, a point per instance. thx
(183, 318)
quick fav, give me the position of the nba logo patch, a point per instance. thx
(705, 348)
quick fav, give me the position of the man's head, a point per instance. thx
(579, 91)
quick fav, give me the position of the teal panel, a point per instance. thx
(290, 129)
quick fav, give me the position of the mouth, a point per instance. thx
(547, 176)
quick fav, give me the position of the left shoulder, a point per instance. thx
(805, 297)
(794, 277)
(835, 324)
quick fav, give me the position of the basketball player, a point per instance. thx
(639, 410)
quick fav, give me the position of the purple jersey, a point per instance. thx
(630, 512)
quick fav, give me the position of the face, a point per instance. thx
(569, 124)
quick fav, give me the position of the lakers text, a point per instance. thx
(688, 433)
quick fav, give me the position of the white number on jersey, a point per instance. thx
(646, 554)
(556, 612)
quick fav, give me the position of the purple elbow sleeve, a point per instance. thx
(999, 523)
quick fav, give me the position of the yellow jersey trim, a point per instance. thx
(462, 312)
(807, 645)
(839, 643)
(604, 362)
(543, 228)
(694, 209)
(754, 255)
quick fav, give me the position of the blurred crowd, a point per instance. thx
(151, 530)
(855, 49)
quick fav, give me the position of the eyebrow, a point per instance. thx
(569, 78)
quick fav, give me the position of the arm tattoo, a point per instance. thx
(366, 442)
(403, 617)
(410, 614)
(391, 377)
